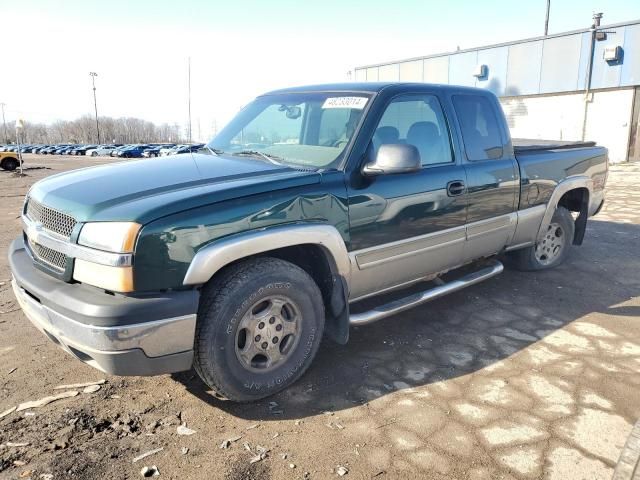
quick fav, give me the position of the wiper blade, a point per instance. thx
(255, 153)
(215, 151)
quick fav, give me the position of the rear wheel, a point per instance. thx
(260, 323)
(553, 247)
(9, 164)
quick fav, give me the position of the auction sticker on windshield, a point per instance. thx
(345, 102)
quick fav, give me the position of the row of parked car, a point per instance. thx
(112, 150)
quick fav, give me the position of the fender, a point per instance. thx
(571, 183)
(220, 253)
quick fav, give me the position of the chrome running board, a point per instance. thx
(397, 306)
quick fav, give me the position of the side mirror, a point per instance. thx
(394, 158)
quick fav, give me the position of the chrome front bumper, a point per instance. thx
(162, 346)
(121, 335)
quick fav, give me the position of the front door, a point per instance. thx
(407, 226)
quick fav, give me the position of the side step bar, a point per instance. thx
(397, 306)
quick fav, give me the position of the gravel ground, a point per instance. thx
(528, 375)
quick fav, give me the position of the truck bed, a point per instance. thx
(529, 145)
(544, 164)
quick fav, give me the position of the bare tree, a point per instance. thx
(82, 130)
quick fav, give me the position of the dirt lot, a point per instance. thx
(523, 376)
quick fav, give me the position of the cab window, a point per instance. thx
(479, 126)
(417, 120)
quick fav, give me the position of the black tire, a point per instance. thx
(240, 293)
(10, 164)
(562, 227)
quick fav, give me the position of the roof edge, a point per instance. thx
(496, 45)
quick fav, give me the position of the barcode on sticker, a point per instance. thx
(345, 102)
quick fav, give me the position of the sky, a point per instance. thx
(238, 49)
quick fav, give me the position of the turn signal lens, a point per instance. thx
(115, 279)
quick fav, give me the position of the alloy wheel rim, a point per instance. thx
(268, 333)
(550, 247)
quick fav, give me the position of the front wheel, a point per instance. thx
(553, 247)
(9, 164)
(259, 326)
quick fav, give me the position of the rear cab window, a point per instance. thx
(479, 126)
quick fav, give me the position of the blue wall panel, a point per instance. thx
(630, 74)
(523, 75)
(412, 71)
(496, 61)
(372, 74)
(461, 67)
(436, 70)
(584, 60)
(560, 64)
(389, 73)
(361, 74)
(605, 74)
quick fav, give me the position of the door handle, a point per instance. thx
(455, 188)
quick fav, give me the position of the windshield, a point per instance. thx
(301, 129)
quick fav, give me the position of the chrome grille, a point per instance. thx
(52, 220)
(49, 256)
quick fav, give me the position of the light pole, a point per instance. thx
(546, 20)
(4, 122)
(189, 95)
(95, 103)
(19, 129)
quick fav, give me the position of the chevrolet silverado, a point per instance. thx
(238, 259)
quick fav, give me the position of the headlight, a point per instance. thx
(118, 237)
(112, 237)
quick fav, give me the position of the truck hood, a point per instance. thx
(147, 189)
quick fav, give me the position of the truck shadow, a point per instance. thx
(24, 169)
(516, 315)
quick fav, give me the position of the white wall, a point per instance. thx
(560, 117)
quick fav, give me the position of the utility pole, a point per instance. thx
(19, 129)
(189, 100)
(95, 103)
(546, 20)
(597, 18)
(4, 122)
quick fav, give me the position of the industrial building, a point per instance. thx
(578, 85)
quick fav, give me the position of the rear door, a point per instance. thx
(492, 174)
(406, 226)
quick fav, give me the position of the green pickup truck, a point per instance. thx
(237, 260)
